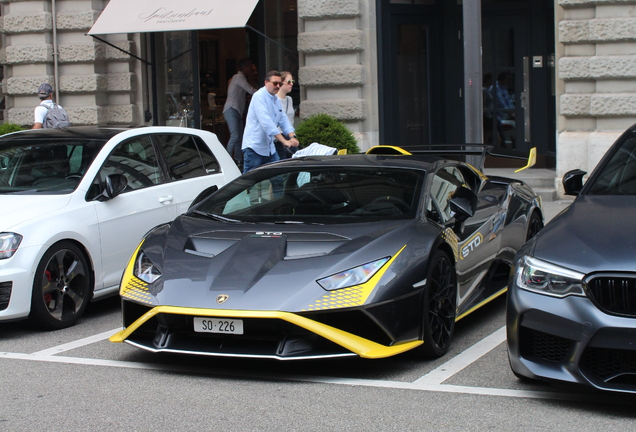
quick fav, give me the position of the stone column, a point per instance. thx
(97, 83)
(338, 64)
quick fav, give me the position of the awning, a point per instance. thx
(141, 16)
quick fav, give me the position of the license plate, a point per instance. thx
(218, 325)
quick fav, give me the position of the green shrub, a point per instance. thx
(326, 130)
(6, 128)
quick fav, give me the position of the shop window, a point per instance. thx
(175, 79)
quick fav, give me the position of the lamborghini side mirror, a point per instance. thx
(203, 195)
(463, 203)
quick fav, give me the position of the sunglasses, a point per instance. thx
(290, 81)
(277, 83)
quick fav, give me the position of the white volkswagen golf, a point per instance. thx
(76, 202)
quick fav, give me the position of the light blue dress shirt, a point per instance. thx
(264, 117)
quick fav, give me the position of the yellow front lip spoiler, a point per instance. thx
(360, 346)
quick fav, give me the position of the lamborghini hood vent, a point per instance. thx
(294, 244)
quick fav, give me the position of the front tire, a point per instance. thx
(440, 309)
(61, 287)
(534, 226)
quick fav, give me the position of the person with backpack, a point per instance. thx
(49, 114)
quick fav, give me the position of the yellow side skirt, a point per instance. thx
(360, 346)
(488, 300)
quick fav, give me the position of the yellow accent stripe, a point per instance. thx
(378, 150)
(363, 347)
(352, 296)
(488, 300)
(131, 287)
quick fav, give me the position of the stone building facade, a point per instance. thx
(596, 52)
(338, 48)
(338, 68)
(97, 84)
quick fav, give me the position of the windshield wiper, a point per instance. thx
(297, 222)
(217, 217)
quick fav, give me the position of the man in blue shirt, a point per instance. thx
(264, 117)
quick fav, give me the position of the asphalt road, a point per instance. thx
(75, 380)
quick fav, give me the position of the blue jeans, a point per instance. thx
(252, 160)
(235, 125)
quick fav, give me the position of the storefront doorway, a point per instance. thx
(421, 74)
(193, 68)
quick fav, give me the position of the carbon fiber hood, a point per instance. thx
(267, 267)
(596, 233)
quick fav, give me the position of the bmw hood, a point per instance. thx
(596, 233)
(268, 267)
(18, 209)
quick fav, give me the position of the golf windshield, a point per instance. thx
(318, 195)
(45, 166)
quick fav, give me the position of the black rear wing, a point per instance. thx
(453, 152)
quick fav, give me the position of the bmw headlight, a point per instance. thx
(352, 277)
(545, 278)
(9, 243)
(145, 269)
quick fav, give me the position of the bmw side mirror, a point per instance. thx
(115, 184)
(573, 182)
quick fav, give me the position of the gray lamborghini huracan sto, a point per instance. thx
(364, 255)
(571, 313)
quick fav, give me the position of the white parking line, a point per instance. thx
(462, 360)
(429, 382)
(483, 391)
(77, 344)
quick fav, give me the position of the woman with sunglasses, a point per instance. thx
(288, 109)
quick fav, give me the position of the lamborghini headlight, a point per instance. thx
(548, 279)
(145, 269)
(9, 243)
(352, 277)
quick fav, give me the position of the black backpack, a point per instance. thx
(55, 117)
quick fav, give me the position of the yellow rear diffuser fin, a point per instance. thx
(532, 159)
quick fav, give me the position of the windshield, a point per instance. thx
(53, 166)
(317, 195)
(618, 175)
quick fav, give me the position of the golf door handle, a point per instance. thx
(166, 199)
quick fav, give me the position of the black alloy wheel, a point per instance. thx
(61, 287)
(534, 226)
(440, 309)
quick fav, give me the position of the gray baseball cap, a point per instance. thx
(45, 90)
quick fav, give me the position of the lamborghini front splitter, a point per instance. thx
(350, 342)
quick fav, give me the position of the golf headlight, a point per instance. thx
(9, 243)
(545, 278)
(145, 269)
(352, 277)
